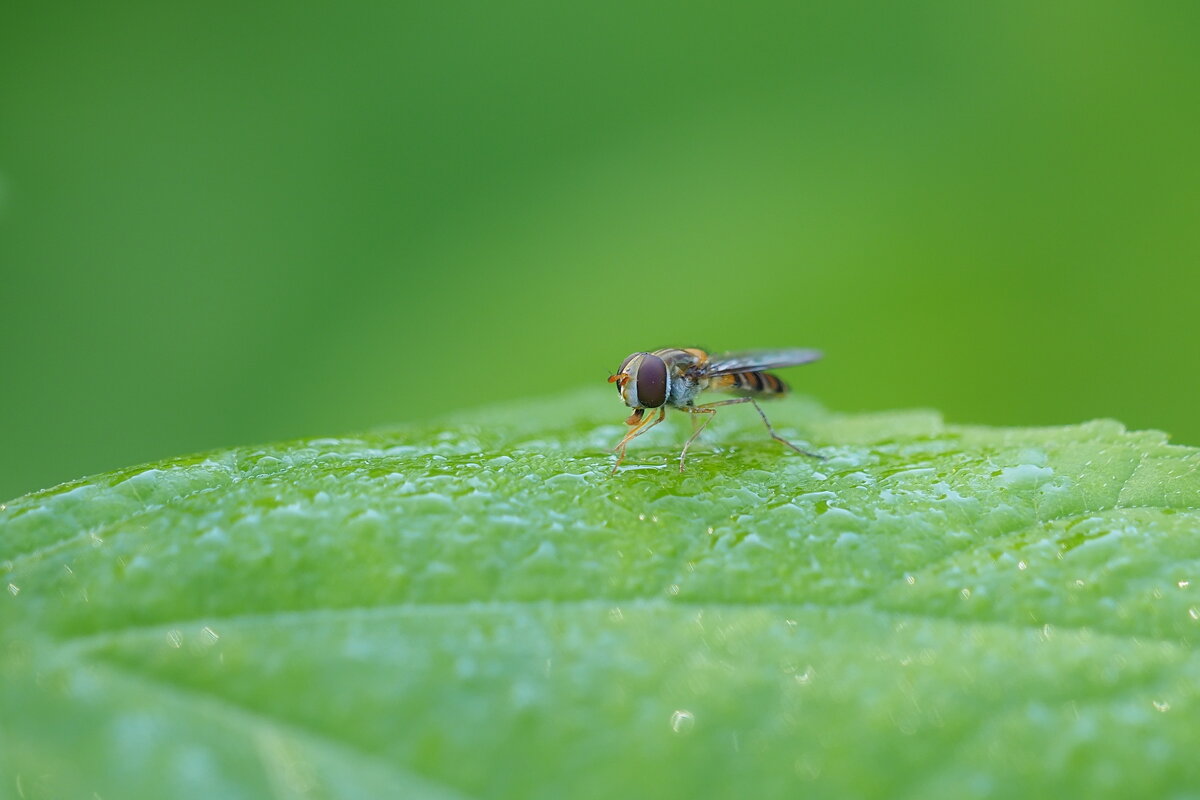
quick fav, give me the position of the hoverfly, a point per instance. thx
(673, 377)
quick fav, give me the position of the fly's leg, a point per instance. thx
(779, 438)
(710, 409)
(696, 429)
(640, 426)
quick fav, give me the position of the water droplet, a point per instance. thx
(910, 579)
(1025, 476)
(1184, 584)
(1021, 565)
(1161, 705)
(1194, 612)
(13, 589)
(673, 589)
(683, 721)
(615, 614)
(208, 636)
(175, 638)
(966, 594)
(805, 678)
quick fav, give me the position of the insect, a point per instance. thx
(673, 377)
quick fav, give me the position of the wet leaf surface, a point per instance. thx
(480, 610)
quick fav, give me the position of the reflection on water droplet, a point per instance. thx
(13, 589)
(1194, 612)
(674, 589)
(805, 678)
(1161, 705)
(683, 721)
(615, 614)
(1183, 584)
(966, 594)
(1022, 565)
(910, 579)
(208, 636)
(175, 638)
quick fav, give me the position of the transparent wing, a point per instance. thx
(759, 360)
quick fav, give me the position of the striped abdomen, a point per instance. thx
(758, 383)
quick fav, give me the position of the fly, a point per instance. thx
(674, 377)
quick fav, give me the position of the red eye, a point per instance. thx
(652, 382)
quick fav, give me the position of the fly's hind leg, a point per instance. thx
(777, 437)
(640, 425)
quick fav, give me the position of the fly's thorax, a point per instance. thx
(685, 367)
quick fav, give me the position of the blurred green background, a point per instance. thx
(226, 223)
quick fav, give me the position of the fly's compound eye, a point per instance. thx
(651, 382)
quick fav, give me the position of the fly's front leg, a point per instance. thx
(776, 436)
(640, 426)
(710, 411)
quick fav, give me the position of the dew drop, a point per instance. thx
(683, 721)
(13, 589)
(175, 638)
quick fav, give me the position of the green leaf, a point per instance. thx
(479, 609)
